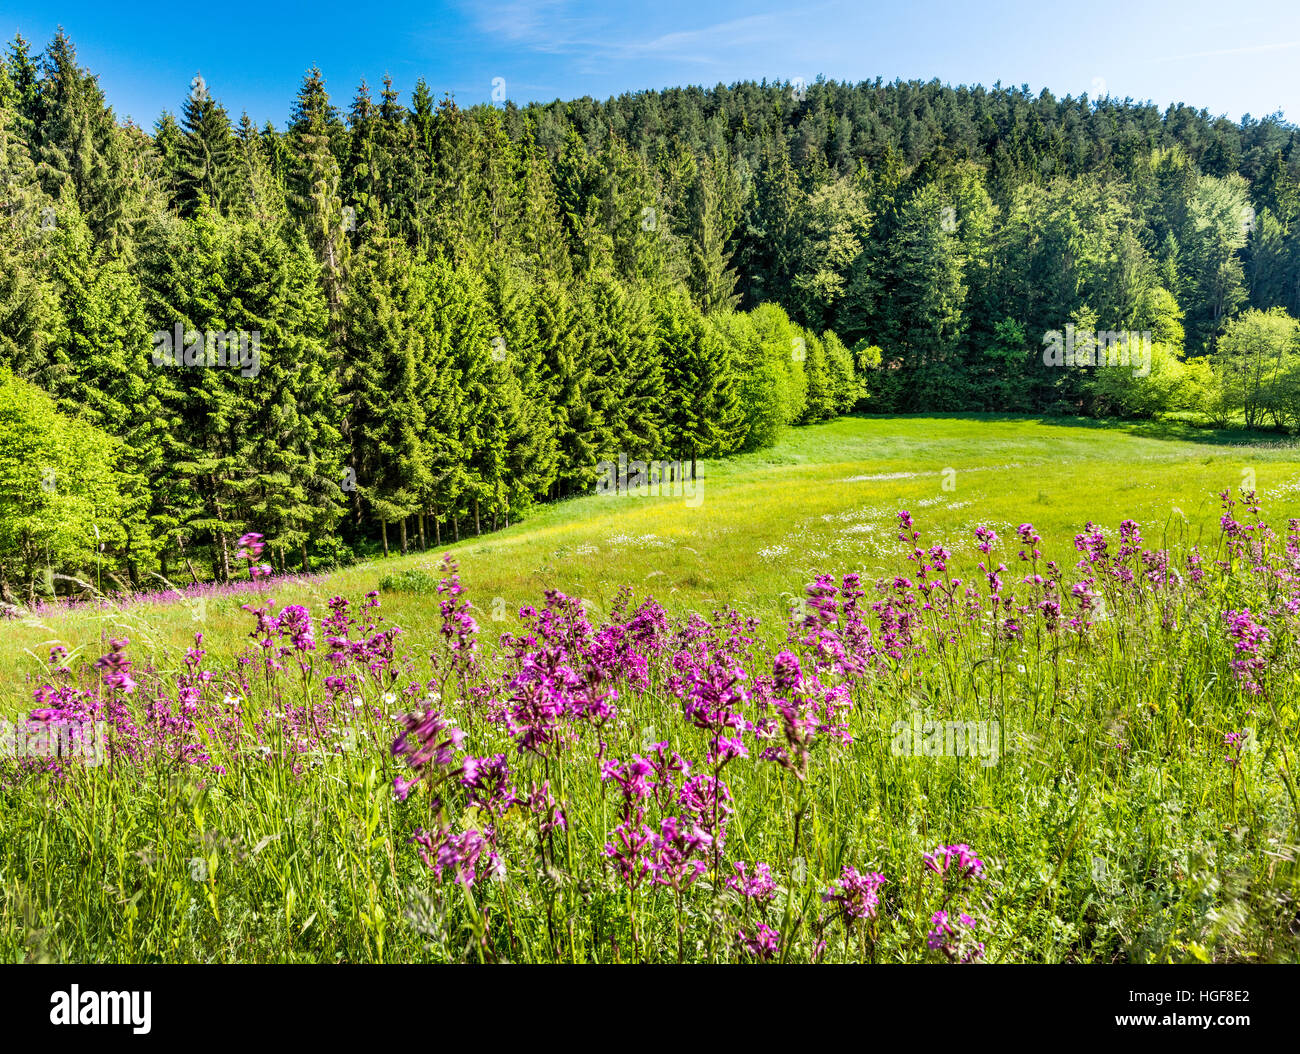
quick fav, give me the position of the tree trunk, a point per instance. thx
(455, 526)
(306, 564)
(403, 522)
(477, 529)
(437, 530)
(422, 545)
(383, 524)
(185, 556)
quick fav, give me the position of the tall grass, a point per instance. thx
(650, 786)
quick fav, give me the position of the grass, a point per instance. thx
(824, 497)
(1111, 824)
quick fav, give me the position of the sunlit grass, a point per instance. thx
(823, 498)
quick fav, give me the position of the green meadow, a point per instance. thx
(1121, 793)
(761, 526)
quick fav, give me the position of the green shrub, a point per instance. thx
(410, 581)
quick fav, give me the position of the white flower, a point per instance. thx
(356, 702)
(389, 698)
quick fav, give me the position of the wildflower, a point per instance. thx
(429, 743)
(629, 850)
(856, 895)
(250, 546)
(954, 937)
(677, 853)
(461, 854)
(1236, 742)
(115, 667)
(756, 886)
(488, 782)
(296, 621)
(542, 804)
(631, 778)
(968, 865)
(1249, 640)
(763, 943)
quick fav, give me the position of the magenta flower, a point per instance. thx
(757, 886)
(460, 854)
(762, 943)
(250, 546)
(856, 895)
(115, 667)
(1250, 640)
(295, 620)
(954, 937)
(429, 744)
(678, 853)
(959, 860)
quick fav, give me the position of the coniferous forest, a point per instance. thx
(397, 321)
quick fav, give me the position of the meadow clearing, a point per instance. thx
(1008, 736)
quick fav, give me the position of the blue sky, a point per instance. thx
(1229, 58)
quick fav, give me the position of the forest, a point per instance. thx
(395, 322)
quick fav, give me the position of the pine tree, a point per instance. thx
(184, 268)
(168, 142)
(75, 139)
(541, 237)
(565, 344)
(386, 359)
(111, 381)
(207, 152)
(258, 192)
(29, 307)
(712, 214)
(703, 413)
(628, 369)
(361, 175)
(922, 325)
(532, 451)
(314, 188)
(400, 177)
(289, 393)
(23, 75)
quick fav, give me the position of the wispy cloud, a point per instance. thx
(1249, 49)
(549, 26)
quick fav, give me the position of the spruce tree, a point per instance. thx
(207, 152)
(314, 188)
(386, 359)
